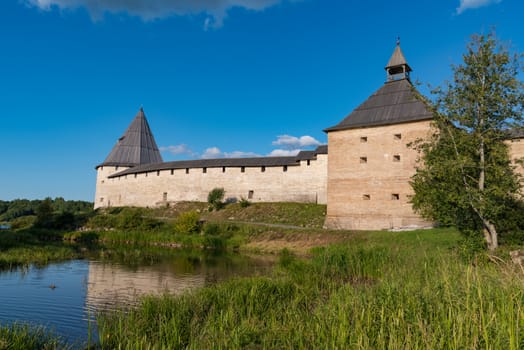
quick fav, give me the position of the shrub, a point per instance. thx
(188, 222)
(211, 229)
(215, 198)
(130, 218)
(244, 203)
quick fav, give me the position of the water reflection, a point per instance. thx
(67, 296)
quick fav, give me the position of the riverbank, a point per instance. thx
(334, 289)
(402, 290)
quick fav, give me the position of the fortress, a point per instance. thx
(362, 174)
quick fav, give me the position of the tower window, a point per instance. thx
(395, 196)
(164, 196)
(146, 173)
(101, 199)
(363, 139)
(250, 194)
(396, 158)
(136, 175)
(308, 162)
(397, 137)
(223, 169)
(243, 169)
(172, 171)
(284, 169)
(363, 160)
(187, 170)
(366, 197)
(158, 173)
(204, 170)
(263, 169)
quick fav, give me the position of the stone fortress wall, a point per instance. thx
(304, 182)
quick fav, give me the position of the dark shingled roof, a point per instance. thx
(227, 162)
(136, 147)
(395, 102)
(515, 134)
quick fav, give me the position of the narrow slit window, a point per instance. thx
(397, 136)
(395, 196)
(243, 169)
(172, 171)
(187, 170)
(366, 197)
(223, 169)
(250, 194)
(146, 173)
(204, 170)
(363, 160)
(308, 162)
(158, 173)
(284, 169)
(263, 169)
(135, 175)
(396, 158)
(363, 139)
(164, 196)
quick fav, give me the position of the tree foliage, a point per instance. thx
(465, 176)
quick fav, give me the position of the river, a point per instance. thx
(66, 297)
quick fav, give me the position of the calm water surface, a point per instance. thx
(67, 296)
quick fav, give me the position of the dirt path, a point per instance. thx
(298, 242)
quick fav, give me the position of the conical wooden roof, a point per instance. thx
(136, 147)
(397, 59)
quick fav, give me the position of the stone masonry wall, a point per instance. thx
(368, 177)
(303, 183)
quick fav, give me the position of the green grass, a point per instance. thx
(23, 337)
(22, 248)
(406, 290)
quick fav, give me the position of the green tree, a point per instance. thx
(44, 213)
(465, 176)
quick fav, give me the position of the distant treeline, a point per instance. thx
(11, 210)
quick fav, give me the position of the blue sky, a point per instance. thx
(216, 78)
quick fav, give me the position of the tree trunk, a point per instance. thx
(490, 234)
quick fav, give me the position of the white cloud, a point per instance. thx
(147, 10)
(240, 154)
(293, 143)
(215, 152)
(212, 152)
(176, 150)
(284, 152)
(473, 4)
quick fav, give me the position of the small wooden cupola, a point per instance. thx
(397, 67)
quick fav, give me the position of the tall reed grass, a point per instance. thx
(385, 291)
(23, 337)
